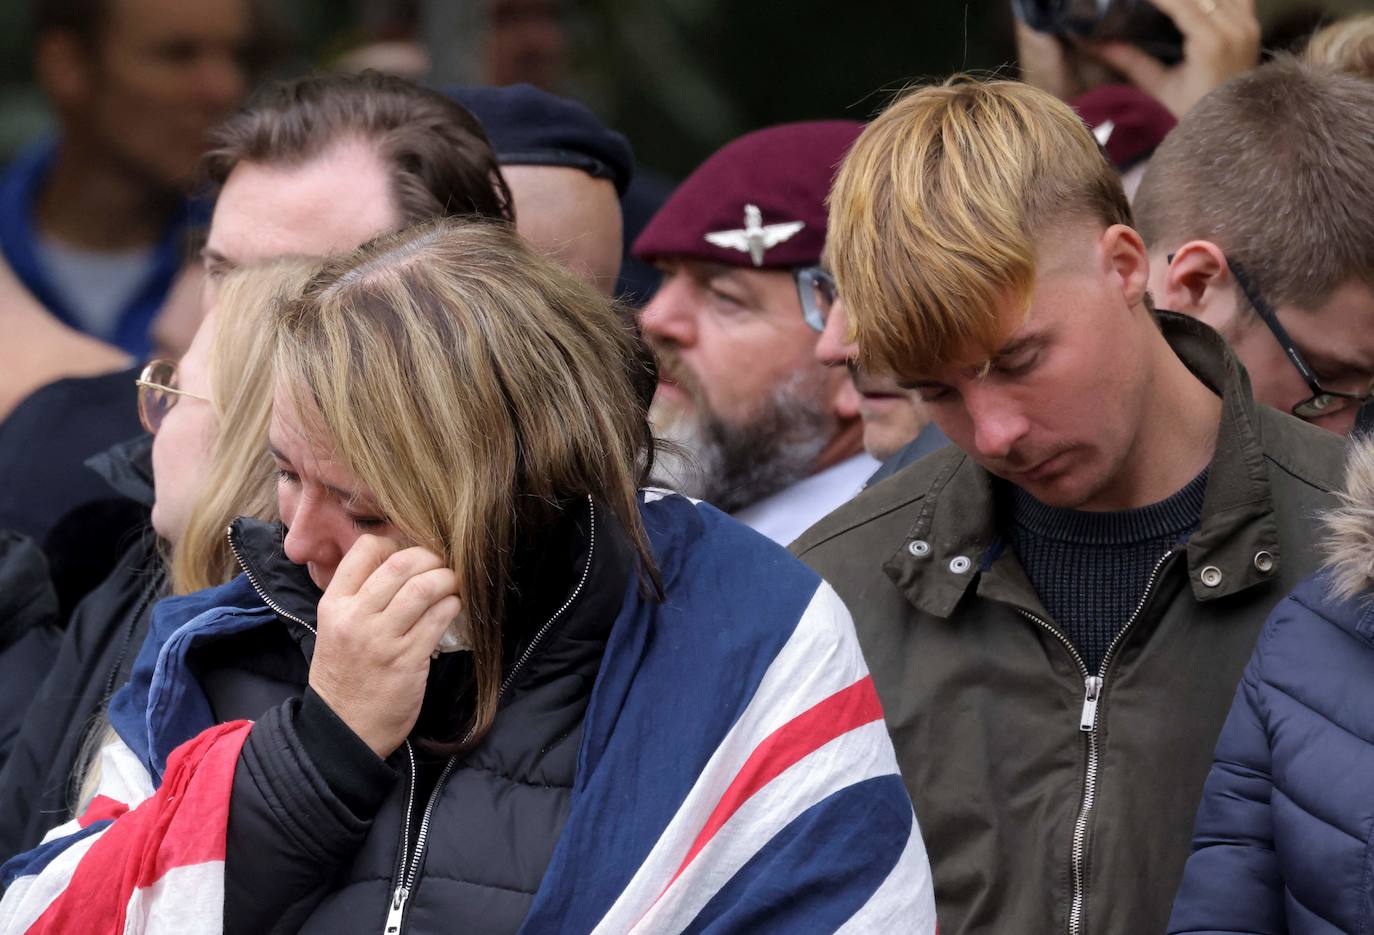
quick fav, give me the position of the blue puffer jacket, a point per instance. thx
(1284, 840)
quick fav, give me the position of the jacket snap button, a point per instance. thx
(1264, 562)
(960, 564)
(1211, 576)
(918, 547)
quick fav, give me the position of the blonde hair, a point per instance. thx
(1347, 44)
(935, 214)
(239, 481)
(473, 388)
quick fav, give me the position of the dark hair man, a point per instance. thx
(350, 156)
(774, 436)
(95, 221)
(313, 167)
(1057, 607)
(1256, 211)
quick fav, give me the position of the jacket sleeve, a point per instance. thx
(305, 792)
(1232, 882)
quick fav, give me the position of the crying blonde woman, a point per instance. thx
(476, 678)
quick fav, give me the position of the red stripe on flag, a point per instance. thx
(101, 808)
(846, 710)
(184, 822)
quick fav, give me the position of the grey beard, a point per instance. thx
(735, 466)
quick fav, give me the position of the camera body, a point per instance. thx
(1135, 21)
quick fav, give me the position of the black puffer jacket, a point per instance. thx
(319, 825)
(28, 632)
(95, 657)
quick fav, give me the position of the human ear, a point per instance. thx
(1198, 282)
(1127, 261)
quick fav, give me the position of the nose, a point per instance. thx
(670, 316)
(834, 349)
(308, 537)
(998, 423)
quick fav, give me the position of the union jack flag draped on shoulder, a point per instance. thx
(735, 774)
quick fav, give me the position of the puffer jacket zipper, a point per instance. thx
(1094, 687)
(257, 585)
(405, 883)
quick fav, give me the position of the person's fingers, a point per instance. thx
(1044, 61)
(1143, 69)
(364, 557)
(389, 578)
(416, 597)
(429, 629)
(1192, 17)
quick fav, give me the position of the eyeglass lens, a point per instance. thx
(817, 294)
(154, 401)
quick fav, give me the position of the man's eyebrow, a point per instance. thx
(1334, 367)
(725, 275)
(1020, 343)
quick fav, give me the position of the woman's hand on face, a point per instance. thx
(379, 622)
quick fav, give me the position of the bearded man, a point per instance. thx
(763, 430)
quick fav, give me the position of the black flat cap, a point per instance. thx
(530, 127)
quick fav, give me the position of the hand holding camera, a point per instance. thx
(1175, 50)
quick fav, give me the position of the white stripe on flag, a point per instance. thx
(186, 899)
(29, 897)
(821, 658)
(906, 900)
(122, 776)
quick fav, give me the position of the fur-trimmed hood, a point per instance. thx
(1349, 541)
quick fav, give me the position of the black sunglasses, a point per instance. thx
(1322, 401)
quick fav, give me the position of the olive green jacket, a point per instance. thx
(1052, 799)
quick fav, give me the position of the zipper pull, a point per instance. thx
(398, 908)
(1093, 688)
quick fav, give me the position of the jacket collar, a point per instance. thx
(128, 468)
(954, 544)
(570, 559)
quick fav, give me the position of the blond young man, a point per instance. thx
(1057, 607)
(1272, 245)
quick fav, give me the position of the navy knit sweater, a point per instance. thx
(1090, 569)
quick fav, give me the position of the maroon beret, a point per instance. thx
(757, 202)
(1139, 123)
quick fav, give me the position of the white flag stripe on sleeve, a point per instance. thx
(890, 908)
(851, 758)
(822, 657)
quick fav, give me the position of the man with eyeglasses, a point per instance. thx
(770, 435)
(898, 429)
(1256, 211)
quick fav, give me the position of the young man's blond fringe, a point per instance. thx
(935, 213)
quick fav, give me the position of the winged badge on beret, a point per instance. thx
(755, 238)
